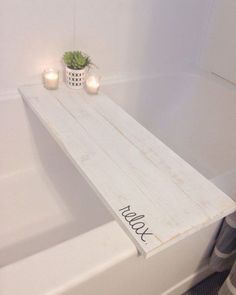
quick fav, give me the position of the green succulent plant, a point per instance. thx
(76, 60)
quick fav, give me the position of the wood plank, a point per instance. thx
(206, 194)
(129, 167)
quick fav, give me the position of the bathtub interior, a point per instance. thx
(39, 208)
(194, 114)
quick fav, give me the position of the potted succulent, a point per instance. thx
(76, 63)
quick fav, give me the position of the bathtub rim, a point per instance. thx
(92, 260)
(31, 276)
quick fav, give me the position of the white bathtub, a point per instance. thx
(55, 235)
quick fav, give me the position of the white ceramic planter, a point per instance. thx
(75, 79)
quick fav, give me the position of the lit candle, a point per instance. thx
(92, 84)
(51, 79)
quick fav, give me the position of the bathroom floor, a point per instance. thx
(209, 286)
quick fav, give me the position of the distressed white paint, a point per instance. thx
(87, 259)
(127, 165)
(175, 108)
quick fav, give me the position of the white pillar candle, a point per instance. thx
(51, 79)
(92, 84)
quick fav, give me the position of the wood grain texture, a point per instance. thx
(128, 166)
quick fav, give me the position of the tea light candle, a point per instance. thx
(51, 79)
(92, 84)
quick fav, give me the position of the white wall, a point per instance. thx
(219, 55)
(33, 34)
(122, 36)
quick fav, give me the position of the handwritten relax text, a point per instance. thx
(134, 220)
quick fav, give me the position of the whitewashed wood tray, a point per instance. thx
(154, 194)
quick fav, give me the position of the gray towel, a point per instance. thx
(224, 254)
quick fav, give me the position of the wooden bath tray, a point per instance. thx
(154, 194)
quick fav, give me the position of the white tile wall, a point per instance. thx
(33, 35)
(136, 36)
(219, 56)
(122, 36)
